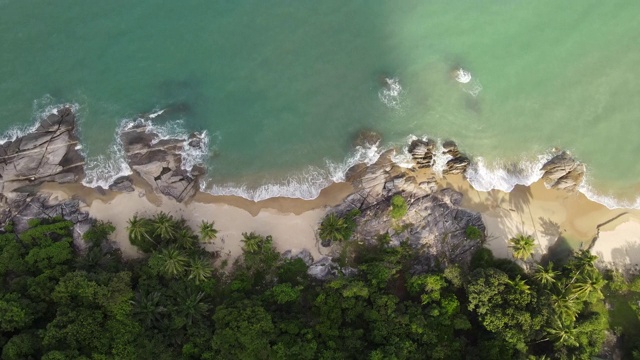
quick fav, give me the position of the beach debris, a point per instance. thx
(48, 153)
(563, 172)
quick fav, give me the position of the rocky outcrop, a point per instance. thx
(326, 269)
(20, 208)
(563, 172)
(458, 163)
(159, 161)
(422, 152)
(434, 223)
(49, 153)
(304, 255)
(378, 181)
(122, 184)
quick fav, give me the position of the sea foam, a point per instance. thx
(390, 93)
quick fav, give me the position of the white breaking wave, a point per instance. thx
(390, 93)
(304, 185)
(505, 176)
(102, 170)
(42, 108)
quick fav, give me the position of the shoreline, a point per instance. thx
(557, 220)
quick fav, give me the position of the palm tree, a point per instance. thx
(522, 246)
(562, 333)
(588, 285)
(200, 269)
(138, 229)
(566, 308)
(520, 285)
(252, 242)
(174, 261)
(192, 307)
(333, 228)
(186, 238)
(147, 308)
(207, 231)
(545, 276)
(165, 226)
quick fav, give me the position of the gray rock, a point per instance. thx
(563, 172)
(322, 269)
(122, 184)
(434, 223)
(159, 163)
(422, 152)
(49, 153)
(304, 254)
(458, 163)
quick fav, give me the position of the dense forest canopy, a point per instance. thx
(57, 303)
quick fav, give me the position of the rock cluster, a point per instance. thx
(49, 153)
(423, 153)
(378, 181)
(159, 161)
(435, 223)
(367, 138)
(563, 172)
(21, 207)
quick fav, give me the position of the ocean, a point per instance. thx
(281, 89)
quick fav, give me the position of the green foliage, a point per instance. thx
(207, 231)
(173, 303)
(335, 228)
(473, 233)
(522, 246)
(398, 207)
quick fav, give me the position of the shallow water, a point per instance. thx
(282, 89)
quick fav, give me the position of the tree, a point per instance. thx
(207, 231)
(333, 228)
(522, 246)
(252, 242)
(546, 276)
(398, 207)
(200, 269)
(140, 234)
(174, 261)
(562, 333)
(165, 226)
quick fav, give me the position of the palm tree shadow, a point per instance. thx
(520, 198)
(558, 253)
(549, 228)
(627, 258)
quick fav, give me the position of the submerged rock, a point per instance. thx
(367, 138)
(49, 153)
(563, 172)
(159, 162)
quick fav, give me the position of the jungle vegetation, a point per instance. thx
(173, 303)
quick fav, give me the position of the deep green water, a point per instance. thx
(282, 87)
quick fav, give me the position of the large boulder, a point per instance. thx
(435, 223)
(49, 153)
(422, 152)
(159, 161)
(458, 162)
(563, 172)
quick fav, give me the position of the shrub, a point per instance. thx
(398, 207)
(473, 233)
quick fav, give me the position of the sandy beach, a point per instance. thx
(559, 221)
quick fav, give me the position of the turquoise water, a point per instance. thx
(283, 87)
